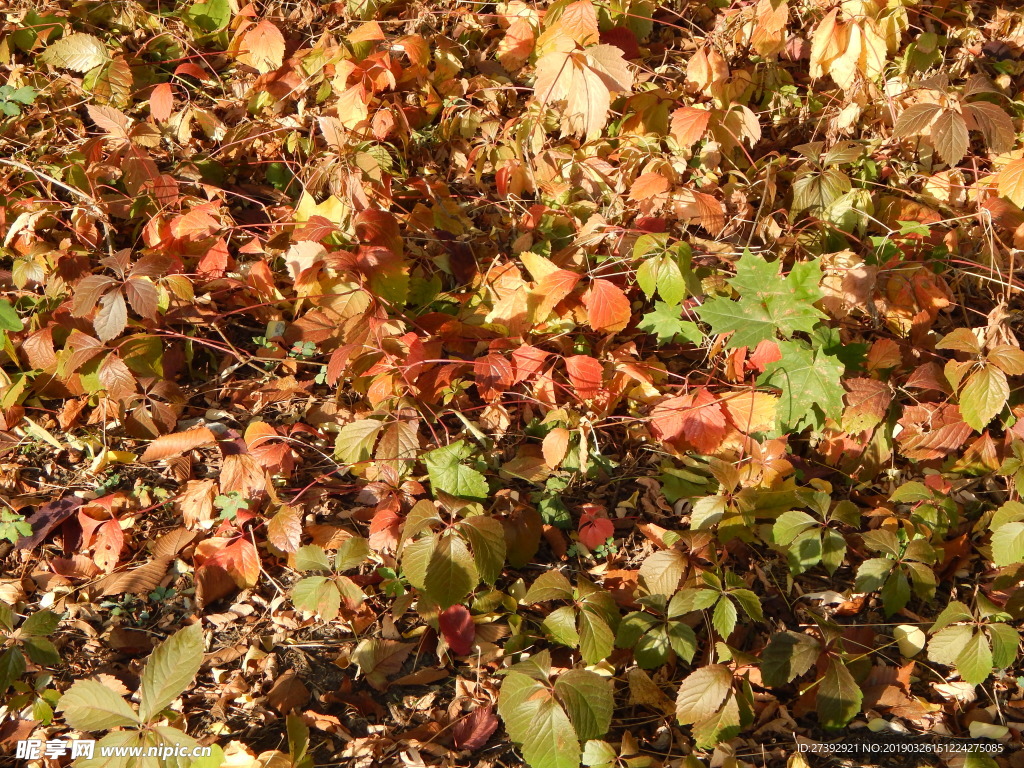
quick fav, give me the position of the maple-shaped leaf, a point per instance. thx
(808, 379)
(584, 80)
(768, 303)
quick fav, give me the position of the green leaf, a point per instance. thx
(974, 662)
(632, 627)
(666, 322)
(354, 444)
(702, 693)
(89, 705)
(787, 656)
(351, 554)
(79, 52)
(448, 475)
(171, 668)
(1005, 643)
(833, 550)
(724, 617)
(683, 640)
(895, 593)
(317, 594)
(790, 525)
(596, 638)
(600, 754)
(12, 666)
(951, 614)
(550, 585)
(872, 574)
(451, 573)
(839, 696)
(210, 16)
(807, 380)
(749, 602)
(487, 538)
(664, 274)
(312, 558)
(653, 648)
(816, 189)
(40, 623)
(9, 319)
(416, 558)
(983, 396)
(768, 304)
(720, 726)
(946, 644)
(588, 700)
(536, 721)
(560, 626)
(42, 651)
(1008, 544)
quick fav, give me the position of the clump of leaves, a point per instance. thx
(588, 624)
(26, 642)
(447, 565)
(323, 595)
(90, 705)
(980, 382)
(550, 719)
(811, 540)
(13, 99)
(905, 560)
(725, 594)
(13, 526)
(974, 642)
(657, 633)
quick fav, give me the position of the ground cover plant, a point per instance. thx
(590, 382)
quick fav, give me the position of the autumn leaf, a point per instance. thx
(584, 81)
(262, 46)
(608, 308)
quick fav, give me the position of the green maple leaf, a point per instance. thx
(769, 304)
(808, 379)
(665, 322)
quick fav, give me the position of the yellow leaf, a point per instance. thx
(1011, 182)
(751, 411)
(333, 209)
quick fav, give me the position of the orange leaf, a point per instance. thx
(556, 443)
(689, 124)
(647, 186)
(528, 361)
(238, 557)
(262, 47)
(695, 420)
(161, 102)
(585, 375)
(493, 375)
(553, 288)
(607, 306)
(166, 446)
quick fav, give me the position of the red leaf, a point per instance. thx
(585, 374)
(528, 362)
(458, 629)
(161, 102)
(385, 527)
(215, 261)
(473, 731)
(607, 306)
(493, 375)
(239, 558)
(594, 530)
(696, 420)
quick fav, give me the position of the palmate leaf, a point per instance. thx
(808, 380)
(768, 304)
